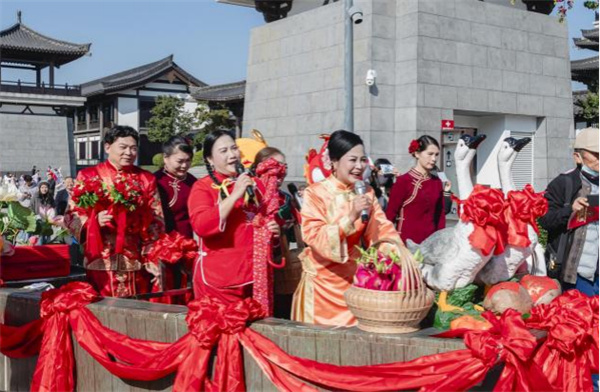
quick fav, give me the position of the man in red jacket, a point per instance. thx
(124, 230)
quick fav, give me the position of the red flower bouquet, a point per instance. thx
(89, 193)
(127, 191)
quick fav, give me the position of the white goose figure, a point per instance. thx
(504, 266)
(449, 259)
(465, 151)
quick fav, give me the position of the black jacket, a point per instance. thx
(559, 204)
(560, 198)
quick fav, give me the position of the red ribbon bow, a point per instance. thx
(54, 369)
(523, 209)
(208, 319)
(485, 209)
(72, 296)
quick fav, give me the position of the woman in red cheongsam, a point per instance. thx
(174, 186)
(416, 202)
(221, 214)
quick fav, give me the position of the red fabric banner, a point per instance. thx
(563, 361)
(23, 341)
(54, 369)
(508, 341)
(569, 354)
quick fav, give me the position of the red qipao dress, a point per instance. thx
(174, 195)
(224, 268)
(119, 274)
(416, 206)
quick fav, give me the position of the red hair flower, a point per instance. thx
(413, 147)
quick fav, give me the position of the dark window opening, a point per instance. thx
(95, 150)
(145, 112)
(82, 150)
(81, 116)
(94, 113)
(108, 113)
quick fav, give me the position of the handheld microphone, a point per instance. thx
(240, 169)
(295, 194)
(361, 189)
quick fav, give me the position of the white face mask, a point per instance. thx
(589, 171)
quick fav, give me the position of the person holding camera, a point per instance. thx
(572, 252)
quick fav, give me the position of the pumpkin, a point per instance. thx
(541, 289)
(471, 323)
(508, 295)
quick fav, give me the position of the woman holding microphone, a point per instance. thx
(221, 214)
(332, 228)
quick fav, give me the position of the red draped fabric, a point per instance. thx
(563, 361)
(569, 355)
(21, 342)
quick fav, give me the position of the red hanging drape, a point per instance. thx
(563, 361)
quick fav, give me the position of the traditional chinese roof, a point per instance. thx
(138, 77)
(589, 64)
(229, 92)
(21, 44)
(591, 34)
(585, 69)
(585, 43)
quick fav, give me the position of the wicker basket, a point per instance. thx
(392, 311)
(287, 278)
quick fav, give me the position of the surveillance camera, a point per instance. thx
(371, 76)
(355, 14)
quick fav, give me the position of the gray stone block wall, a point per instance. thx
(433, 58)
(27, 140)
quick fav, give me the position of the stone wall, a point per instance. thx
(27, 140)
(434, 59)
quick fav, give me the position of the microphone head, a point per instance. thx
(239, 168)
(360, 188)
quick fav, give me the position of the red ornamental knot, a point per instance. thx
(208, 319)
(72, 296)
(507, 340)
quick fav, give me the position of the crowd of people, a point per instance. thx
(218, 210)
(42, 195)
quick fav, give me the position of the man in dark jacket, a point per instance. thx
(574, 253)
(63, 196)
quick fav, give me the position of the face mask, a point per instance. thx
(589, 171)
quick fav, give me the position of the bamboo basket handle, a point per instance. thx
(411, 272)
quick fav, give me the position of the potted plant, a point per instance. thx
(388, 294)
